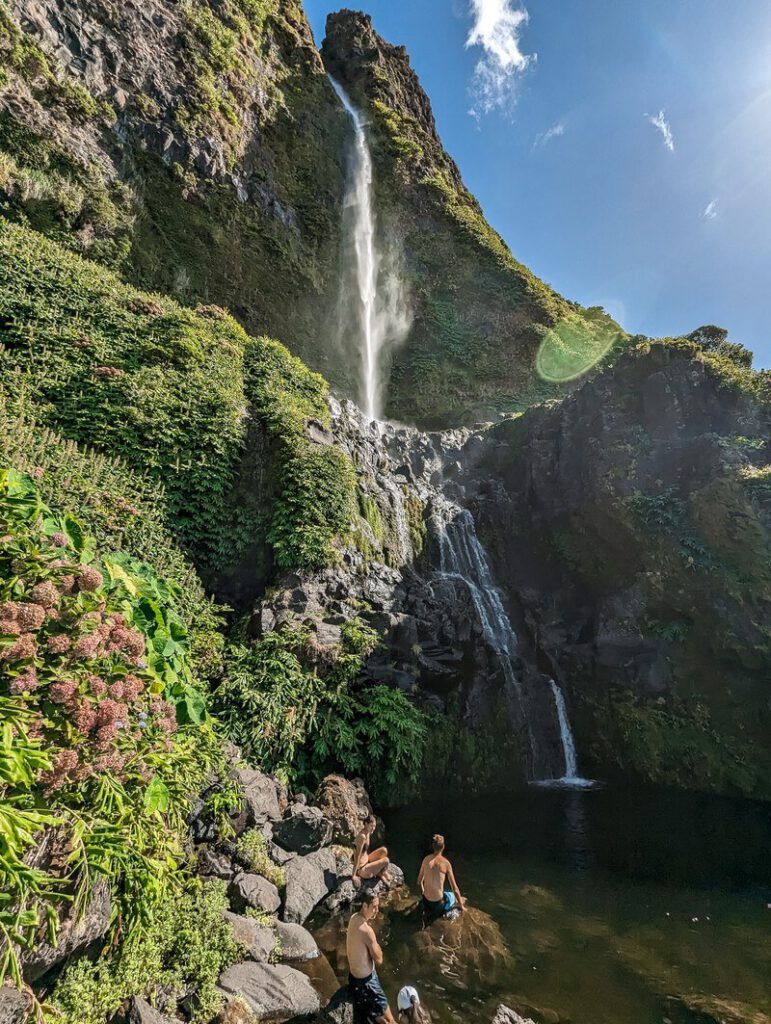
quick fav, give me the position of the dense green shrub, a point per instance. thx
(294, 708)
(104, 735)
(252, 850)
(188, 945)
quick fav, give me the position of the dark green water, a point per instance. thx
(593, 907)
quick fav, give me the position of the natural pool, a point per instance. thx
(593, 907)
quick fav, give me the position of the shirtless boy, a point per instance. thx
(431, 880)
(368, 863)
(364, 956)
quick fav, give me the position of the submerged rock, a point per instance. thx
(296, 942)
(505, 1015)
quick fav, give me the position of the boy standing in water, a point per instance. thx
(364, 956)
(433, 872)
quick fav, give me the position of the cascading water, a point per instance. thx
(381, 309)
(462, 557)
(571, 776)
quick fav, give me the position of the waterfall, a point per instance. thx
(379, 304)
(571, 776)
(462, 557)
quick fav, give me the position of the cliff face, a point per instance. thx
(200, 150)
(480, 316)
(631, 530)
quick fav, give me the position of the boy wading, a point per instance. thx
(364, 956)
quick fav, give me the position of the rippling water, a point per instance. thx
(590, 907)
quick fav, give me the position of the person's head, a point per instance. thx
(369, 824)
(370, 904)
(410, 1008)
(437, 843)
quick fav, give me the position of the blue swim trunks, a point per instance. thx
(438, 908)
(367, 996)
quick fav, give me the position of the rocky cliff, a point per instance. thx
(200, 149)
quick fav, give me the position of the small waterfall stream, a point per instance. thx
(571, 776)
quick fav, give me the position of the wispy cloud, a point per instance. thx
(543, 138)
(710, 210)
(659, 121)
(497, 26)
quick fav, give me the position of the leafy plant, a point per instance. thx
(252, 850)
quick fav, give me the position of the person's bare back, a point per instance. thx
(433, 874)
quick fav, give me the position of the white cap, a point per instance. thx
(406, 996)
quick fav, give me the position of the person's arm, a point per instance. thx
(374, 947)
(422, 874)
(454, 886)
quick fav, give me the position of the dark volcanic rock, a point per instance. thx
(248, 890)
(14, 1005)
(308, 880)
(273, 992)
(303, 830)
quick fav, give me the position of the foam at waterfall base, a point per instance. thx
(565, 783)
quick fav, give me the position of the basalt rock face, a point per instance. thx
(479, 316)
(631, 528)
(196, 147)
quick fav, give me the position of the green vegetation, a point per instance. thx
(105, 734)
(187, 944)
(252, 850)
(293, 708)
(82, 345)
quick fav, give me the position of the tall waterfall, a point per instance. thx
(381, 309)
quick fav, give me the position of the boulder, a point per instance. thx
(213, 864)
(345, 803)
(261, 802)
(140, 1012)
(505, 1015)
(342, 896)
(297, 943)
(379, 886)
(303, 830)
(273, 991)
(73, 936)
(14, 1006)
(247, 890)
(308, 880)
(258, 939)
(279, 856)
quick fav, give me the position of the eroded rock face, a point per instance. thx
(308, 880)
(345, 803)
(303, 830)
(14, 1006)
(505, 1015)
(73, 936)
(273, 992)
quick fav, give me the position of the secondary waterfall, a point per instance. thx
(571, 776)
(381, 308)
(463, 557)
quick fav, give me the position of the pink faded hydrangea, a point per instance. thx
(96, 685)
(89, 578)
(105, 735)
(27, 682)
(19, 650)
(8, 609)
(59, 539)
(45, 594)
(36, 726)
(31, 616)
(65, 763)
(113, 762)
(132, 687)
(54, 614)
(67, 583)
(86, 646)
(63, 691)
(38, 473)
(116, 690)
(59, 644)
(85, 717)
(10, 627)
(129, 640)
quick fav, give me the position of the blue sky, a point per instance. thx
(622, 149)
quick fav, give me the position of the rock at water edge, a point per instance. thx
(308, 880)
(273, 992)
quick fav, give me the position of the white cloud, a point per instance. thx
(710, 210)
(497, 27)
(542, 138)
(660, 122)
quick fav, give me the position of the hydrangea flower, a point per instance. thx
(45, 594)
(23, 648)
(30, 616)
(59, 644)
(89, 579)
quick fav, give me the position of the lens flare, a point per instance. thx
(572, 348)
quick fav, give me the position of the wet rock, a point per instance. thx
(259, 940)
(297, 943)
(14, 1005)
(505, 1015)
(248, 890)
(303, 830)
(345, 803)
(343, 896)
(273, 991)
(308, 880)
